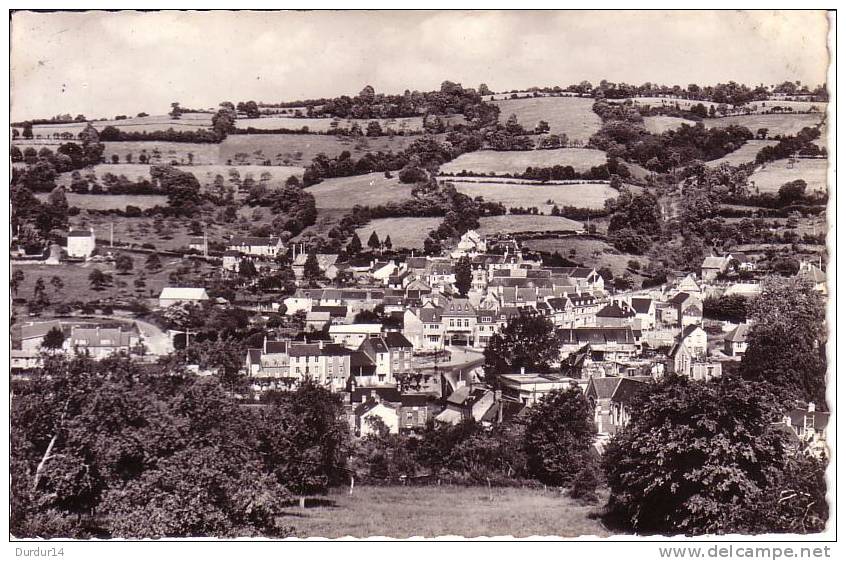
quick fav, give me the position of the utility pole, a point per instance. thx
(111, 234)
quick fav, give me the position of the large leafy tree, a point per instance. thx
(463, 275)
(695, 457)
(528, 341)
(558, 437)
(787, 340)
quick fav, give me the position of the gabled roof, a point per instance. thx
(276, 347)
(680, 298)
(558, 304)
(738, 334)
(416, 262)
(396, 340)
(360, 359)
(688, 330)
(712, 262)
(429, 315)
(596, 335)
(314, 349)
(318, 316)
(99, 337)
(626, 390)
(459, 396)
(602, 388)
(614, 311)
(334, 311)
(458, 307)
(183, 293)
(641, 305)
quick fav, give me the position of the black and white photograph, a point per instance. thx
(280, 275)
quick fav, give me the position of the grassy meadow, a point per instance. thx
(404, 512)
(371, 189)
(774, 123)
(162, 152)
(773, 175)
(596, 253)
(573, 116)
(324, 124)
(491, 161)
(405, 232)
(106, 202)
(744, 154)
(515, 223)
(658, 124)
(300, 149)
(584, 195)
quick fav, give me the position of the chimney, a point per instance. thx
(811, 407)
(522, 370)
(320, 344)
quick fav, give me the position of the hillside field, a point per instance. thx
(686, 104)
(596, 253)
(775, 123)
(744, 154)
(162, 152)
(371, 189)
(300, 149)
(106, 202)
(323, 124)
(584, 195)
(571, 115)
(188, 121)
(513, 223)
(491, 161)
(405, 232)
(769, 178)
(657, 124)
(448, 510)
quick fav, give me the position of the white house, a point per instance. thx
(388, 413)
(81, 243)
(176, 295)
(353, 335)
(735, 341)
(257, 246)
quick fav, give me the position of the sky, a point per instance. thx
(104, 64)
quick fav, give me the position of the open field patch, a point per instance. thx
(773, 175)
(589, 251)
(300, 149)
(584, 195)
(156, 152)
(514, 223)
(744, 154)
(573, 116)
(774, 123)
(404, 512)
(151, 123)
(658, 124)
(324, 124)
(408, 232)
(760, 106)
(371, 189)
(490, 161)
(106, 202)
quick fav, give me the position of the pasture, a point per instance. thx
(300, 149)
(404, 512)
(106, 202)
(773, 175)
(590, 251)
(584, 195)
(324, 124)
(405, 232)
(658, 124)
(162, 152)
(371, 189)
(493, 162)
(774, 123)
(744, 154)
(205, 174)
(151, 123)
(515, 223)
(573, 116)
(760, 106)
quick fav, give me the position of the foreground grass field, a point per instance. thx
(405, 232)
(404, 512)
(584, 195)
(371, 189)
(490, 161)
(573, 116)
(769, 178)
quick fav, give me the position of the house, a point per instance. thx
(713, 266)
(81, 243)
(257, 246)
(742, 261)
(199, 243)
(486, 326)
(529, 388)
(415, 412)
(735, 341)
(695, 339)
(24, 360)
(611, 400)
(606, 343)
(337, 314)
(687, 309)
(270, 363)
(32, 334)
(644, 310)
(814, 275)
(231, 260)
(467, 403)
(367, 412)
(682, 362)
(424, 328)
(317, 320)
(353, 335)
(584, 278)
(459, 318)
(328, 364)
(615, 314)
(688, 284)
(811, 426)
(171, 295)
(325, 261)
(391, 353)
(101, 342)
(471, 243)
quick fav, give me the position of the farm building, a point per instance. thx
(178, 295)
(81, 243)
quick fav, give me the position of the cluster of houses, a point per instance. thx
(610, 344)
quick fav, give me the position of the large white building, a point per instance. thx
(177, 295)
(81, 243)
